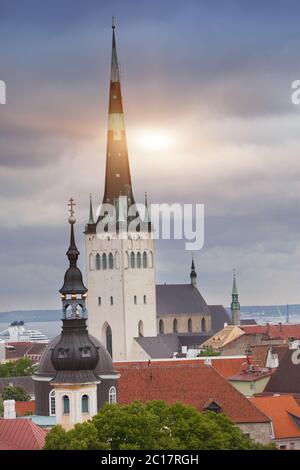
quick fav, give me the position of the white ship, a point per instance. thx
(16, 332)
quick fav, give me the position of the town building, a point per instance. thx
(76, 374)
(21, 434)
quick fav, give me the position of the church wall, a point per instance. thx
(123, 283)
(182, 323)
(103, 391)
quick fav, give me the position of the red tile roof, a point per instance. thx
(281, 410)
(190, 382)
(21, 434)
(283, 331)
(23, 407)
(16, 350)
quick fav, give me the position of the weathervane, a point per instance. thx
(71, 204)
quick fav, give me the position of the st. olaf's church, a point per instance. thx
(129, 316)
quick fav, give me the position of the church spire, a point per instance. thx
(193, 274)
(235, 305)
(117, 176)
(91, 216)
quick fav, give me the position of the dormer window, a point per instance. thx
(85, 352)
(62, 353)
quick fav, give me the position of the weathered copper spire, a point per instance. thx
(117, 176)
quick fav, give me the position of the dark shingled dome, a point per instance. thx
(104, 366)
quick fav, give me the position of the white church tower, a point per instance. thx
(120, 269)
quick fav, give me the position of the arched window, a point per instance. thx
(141, 328)
(161, 327)
(145, 299)
(52, 403)
(138, 260)
(132, 260)
(145, 260)
(98, 261)
(175, 326)
(112, 395)
(104, 261)
(111, 261)
(109, 340)
(151, 260)
(99, 301)
(91, 258)
(85, 404)
(203, 324)
(111, 300)
(190, 325)
(66, 405)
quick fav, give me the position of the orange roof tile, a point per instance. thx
(190, 382)
(279, 409)
(283, 331)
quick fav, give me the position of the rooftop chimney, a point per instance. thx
(9, 409)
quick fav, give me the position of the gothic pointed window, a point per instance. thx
(85, 404)
(109, 340)
(135, 299)
(161, 327)
(98, 261)
(132, 260)
(145, 260)
(190, 325)
(111, 261)
(66, 405)
(111, 300)
(175, 326)
(99, 301)
(203, 324)
(104, 261)
(145, 299)
(138, 260)
(112, 395)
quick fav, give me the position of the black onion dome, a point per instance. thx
(75, 350)
(103, 367)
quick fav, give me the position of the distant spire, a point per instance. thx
(235, 305)
(91, 216)
(193, 274)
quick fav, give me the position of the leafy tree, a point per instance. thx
(152, 426)
(20, 368)
(209, 351)
(17, 393)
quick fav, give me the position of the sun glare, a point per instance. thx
(154, 140)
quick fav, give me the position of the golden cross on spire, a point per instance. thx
(71, 204)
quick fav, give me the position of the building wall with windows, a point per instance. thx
(121, 296)
(184, 323)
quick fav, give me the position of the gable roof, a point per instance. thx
(189, 382)
(280, 331)
(224, 336)
(179, 299)
(286, 378)
(21, 434)
(282, 410)
(219, 316)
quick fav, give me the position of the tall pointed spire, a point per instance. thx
(117, 176)
(193, 274)
(91, 216)
(235, 305)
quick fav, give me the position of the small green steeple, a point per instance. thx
(235, 305)
(91, 217)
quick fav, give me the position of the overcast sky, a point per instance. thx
(211, 78)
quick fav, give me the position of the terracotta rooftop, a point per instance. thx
(21, 434)
(192, 383)
(284, 412)
(279, 331)
(16, 350)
